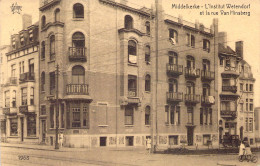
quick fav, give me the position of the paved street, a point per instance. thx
(110, 156)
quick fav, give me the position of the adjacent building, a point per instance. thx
(20, 87)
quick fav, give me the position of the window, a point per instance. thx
(210, 116)
(31, 67)
(129, 115)
(190, 62)
(172, 115)
(178, 115)
(78, 75)
(52, 83)
(24, 96)
(52, 116)
(75, 107)
(102, 114)
(21, 67)
(173, 58)
(148, 29)
(57, 15)
(43, 81)
(43, 21)
(173, 36)
(78, 115)
(247, 87)
(173, 85)
(32, 96)
(43, 110)
(173, 140)
(190, 115)
(132, 86)
(52, 47)
(251, 87)
(190, 40)
(221, 61)
(206, 116)
(241, 86)
(206, 65)
(43, 50)
(241, 107)
(132, 57)
(251, 107)
(147, 83)
(190, 88)
(14, 99)
(147, 115)
(13, 127)
(201, 116)
(128, 22)
(206, 45)
(30, 35)
(206, 90)
(22, 39)
(167, 114)
(250, 125)
(31, 125)
(147, 54)
(7, 98)
(13, 70)
(78, 10)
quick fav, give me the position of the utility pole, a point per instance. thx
(57, 109)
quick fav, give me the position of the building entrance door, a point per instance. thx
(43, 131)
(190, 135)
(22, 123)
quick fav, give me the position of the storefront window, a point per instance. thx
(31, 125)
(13, 127)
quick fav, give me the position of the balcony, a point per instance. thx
(207, 100)
(192, 98)
(230, 72)
(174, 70)
(132, 92)
(9, 110)
(77, 54)
(77, 89)
(192, 72)
(207, 75)
(228, 114)
(27, 77)
(6, 111)
(23, 109)
(232, 89)
(12, 81)
(174, 96)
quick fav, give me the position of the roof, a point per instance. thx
(225, 50)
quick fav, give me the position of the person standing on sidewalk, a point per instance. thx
(61, 139)
(241, 149)
(148, 145)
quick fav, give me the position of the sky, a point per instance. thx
(245, 28)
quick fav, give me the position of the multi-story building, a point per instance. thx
(245, 110)
(235, 91)
(3, 61)
(20, 89)
(114, 88)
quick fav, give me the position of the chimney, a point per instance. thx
(180, 19)
(124, 2)
(239, 49)
(197, 24)
(27, 20)
(222, 38)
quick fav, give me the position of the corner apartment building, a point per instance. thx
(20, 89)
(110, 77)
(236, 83)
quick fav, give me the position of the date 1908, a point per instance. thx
(23, 157)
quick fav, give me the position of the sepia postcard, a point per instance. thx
(129, 82)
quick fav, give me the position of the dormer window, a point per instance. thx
(22, 39)
(57, 15)
(13, 43)
(31, 35)
(128, 22)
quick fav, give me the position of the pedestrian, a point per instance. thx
(61, 139)
(241, 149)
(148, 145)
(247, 149)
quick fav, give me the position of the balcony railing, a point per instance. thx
(229, 68)
(208, 100)
(11, 81)
(77, 54)
(23, 109)
(192, 72)
(77, 89)
(228, 113)
(229, 89)
(174, 69)
(192, 98)
(174, 96)
(132, 92)
(6, 110)
(207, 75)
(26, 77)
